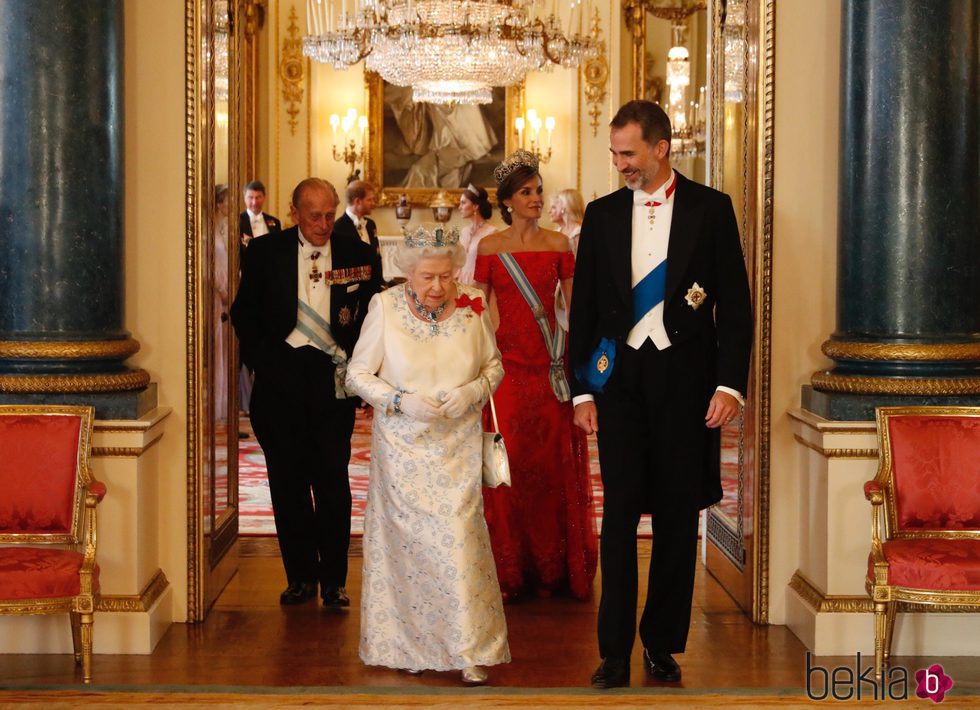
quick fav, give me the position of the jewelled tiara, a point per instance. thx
(424, 236)
(517, 159)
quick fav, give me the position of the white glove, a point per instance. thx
(460, 400)
(419, 408)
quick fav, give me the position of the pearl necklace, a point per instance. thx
(431, 316)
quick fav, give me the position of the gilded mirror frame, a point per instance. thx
(211, 553)
(373, 160)
(744, 551)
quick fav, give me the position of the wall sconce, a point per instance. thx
(354, 127)
(529, 127)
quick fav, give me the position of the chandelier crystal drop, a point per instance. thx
(446, 50)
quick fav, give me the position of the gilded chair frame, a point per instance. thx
(880, 492)
(83, 534)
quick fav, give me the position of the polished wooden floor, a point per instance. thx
(249, 642)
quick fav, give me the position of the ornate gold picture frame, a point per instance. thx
(383, 164)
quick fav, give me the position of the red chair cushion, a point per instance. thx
(38, 460)
(40, 573)
(936, 472)
(926, 563)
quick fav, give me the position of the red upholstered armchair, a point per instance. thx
(925, 516)
(47, 518)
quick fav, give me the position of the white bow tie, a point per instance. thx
(641, 198)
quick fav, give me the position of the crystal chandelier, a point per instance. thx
(446, 50)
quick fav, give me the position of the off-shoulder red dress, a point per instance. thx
(542, 529)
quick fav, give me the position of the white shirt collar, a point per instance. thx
(253, 215)
(354, 218)
(307, 248)
(658, 195)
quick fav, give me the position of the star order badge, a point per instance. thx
(695, 296)
(344, 316)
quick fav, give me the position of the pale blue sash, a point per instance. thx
(555, 344)
(314, 327)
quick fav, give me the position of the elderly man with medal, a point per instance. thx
(298, 313)
(659, 342)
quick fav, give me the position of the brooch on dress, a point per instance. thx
(695, 296)
(476, 304)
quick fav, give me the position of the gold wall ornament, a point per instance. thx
(121, 382)
(595, 72)
(69, 349)
(254, 13)
(292, 71)
(842, 349)
(825, 381)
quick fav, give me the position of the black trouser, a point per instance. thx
(652, 452)
(305, 434)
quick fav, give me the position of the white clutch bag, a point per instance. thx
(496, 466)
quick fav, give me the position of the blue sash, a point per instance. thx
(555, 344)
(649, 292)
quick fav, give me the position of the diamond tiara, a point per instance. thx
(424, 236)
(517, 159)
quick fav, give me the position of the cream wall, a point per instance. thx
(154, 220)
(804, 251)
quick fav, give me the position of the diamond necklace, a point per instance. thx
(430, 316)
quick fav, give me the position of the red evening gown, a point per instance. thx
(542, 529)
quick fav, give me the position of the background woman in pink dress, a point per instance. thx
(542, 529)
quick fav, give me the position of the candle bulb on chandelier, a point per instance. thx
(334, 122)
(549, 124)
(519, 125)
(362, 124)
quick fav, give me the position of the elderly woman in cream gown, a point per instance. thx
(427, 361)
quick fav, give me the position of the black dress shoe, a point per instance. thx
(612, 673)
(335, 598)
(661, 666)
(298, 592)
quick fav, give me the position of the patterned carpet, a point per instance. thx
(255, 508)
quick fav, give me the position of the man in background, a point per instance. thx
(361, 199)
(253, 222)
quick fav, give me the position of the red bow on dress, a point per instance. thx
(475, 303)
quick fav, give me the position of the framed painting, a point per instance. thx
(420, 149)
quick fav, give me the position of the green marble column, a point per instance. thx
(61, 199)
(908, 286)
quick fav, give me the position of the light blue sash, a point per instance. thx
(555, 344)
(314, 327)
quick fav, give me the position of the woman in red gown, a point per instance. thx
(542, 529)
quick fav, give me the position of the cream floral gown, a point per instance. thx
(430, 596)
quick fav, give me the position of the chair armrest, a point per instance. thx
(97, 489)
(874, 492)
